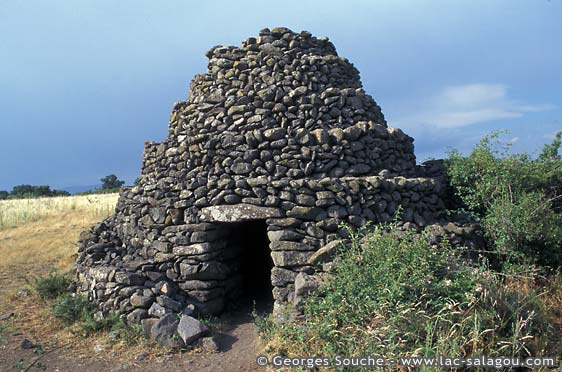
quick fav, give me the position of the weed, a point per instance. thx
(52, 285)
(20, 364)
(71, 308)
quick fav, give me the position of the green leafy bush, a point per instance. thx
(395, 296)
(72, 308)
(51, 286)
(78, 311)
(517, 198)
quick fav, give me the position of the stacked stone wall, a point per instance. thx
(278, 130)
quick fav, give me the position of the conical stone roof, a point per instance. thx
(280, 131)
(283, 105)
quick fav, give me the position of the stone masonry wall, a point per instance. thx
(278, 130)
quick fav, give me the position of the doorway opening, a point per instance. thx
(255, 264)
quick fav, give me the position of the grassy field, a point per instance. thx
(19, 212)
(39, 235)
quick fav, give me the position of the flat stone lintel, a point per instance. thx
(238, 213)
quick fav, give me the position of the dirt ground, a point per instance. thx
(37, 246)
(239, 345)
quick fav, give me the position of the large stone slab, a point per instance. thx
(238, 213)
(191, 329)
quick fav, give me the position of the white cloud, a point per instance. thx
(462, 105)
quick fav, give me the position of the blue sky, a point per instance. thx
(84, 83)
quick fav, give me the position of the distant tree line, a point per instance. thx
(29, 191)
(109, 184)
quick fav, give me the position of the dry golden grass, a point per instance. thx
(18, 212)
(36, 237)
(39, 235)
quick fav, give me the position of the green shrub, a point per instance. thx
(51, 286)
(77, 310)
(517, 198)
(526, 229)
(72, 308)
(393, 296)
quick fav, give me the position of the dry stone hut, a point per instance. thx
(275, 147)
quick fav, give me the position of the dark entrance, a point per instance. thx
(255, 264)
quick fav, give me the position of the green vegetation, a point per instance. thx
(29, 191)
(80, 314)
(111, 182)
(518, 199)
(51, 286)
(395, 294)
(396, 297)
(72, 308)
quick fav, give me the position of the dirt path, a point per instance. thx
(239, 345)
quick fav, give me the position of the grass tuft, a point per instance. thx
(52, 285)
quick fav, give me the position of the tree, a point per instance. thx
(550, 151)
(22, 190)
(4, 194)
(30, 191)
(111, 182)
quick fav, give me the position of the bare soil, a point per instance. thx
(238, 343)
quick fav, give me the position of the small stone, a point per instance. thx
(6, 316)
(189, 310)
(306, 213)
(352, 133)
(169, 303)
(320, 135)
(165, 288)
(210, 344)
(22, 293)
(279, 107)
(274, 134)
(283, 235)
(241, 168)
(158, 310)
(141, 301)
(137, 315)
(27, 344)
(299, 91)
(325, 254)
(280, 245)
(385, 173)
(147, 325)
(236, 110)
(164, 331)
(142, 356)
(305, 284)
(98, 348)
(281, 277)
